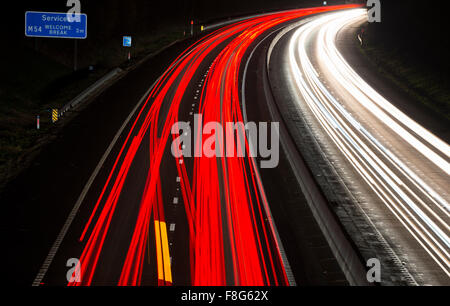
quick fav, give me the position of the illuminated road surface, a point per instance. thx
(405, 165)
(224, 233)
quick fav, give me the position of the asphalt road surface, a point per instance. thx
(400, 167)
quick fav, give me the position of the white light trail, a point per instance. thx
(423, 212)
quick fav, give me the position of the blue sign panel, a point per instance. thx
(127, 41)
(55, 25)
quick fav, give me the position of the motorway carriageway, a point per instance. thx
(404, 165)
(226, 235)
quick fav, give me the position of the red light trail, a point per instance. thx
(224, 202)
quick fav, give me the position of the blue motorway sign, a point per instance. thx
(55, 25)
(127, 41)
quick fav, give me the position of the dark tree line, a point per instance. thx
(419, 27)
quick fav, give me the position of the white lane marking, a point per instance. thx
(178, 179)
(175, 200)
(54, 249)
(172, 227)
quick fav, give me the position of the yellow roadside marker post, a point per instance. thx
(55, 115)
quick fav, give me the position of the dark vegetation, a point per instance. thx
(410, 47)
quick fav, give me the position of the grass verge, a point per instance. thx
(31, 84)
(420, 81)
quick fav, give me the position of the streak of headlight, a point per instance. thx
(426, 226)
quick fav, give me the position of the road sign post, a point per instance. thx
(75, 55)
(126, 42)
(56, 25)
